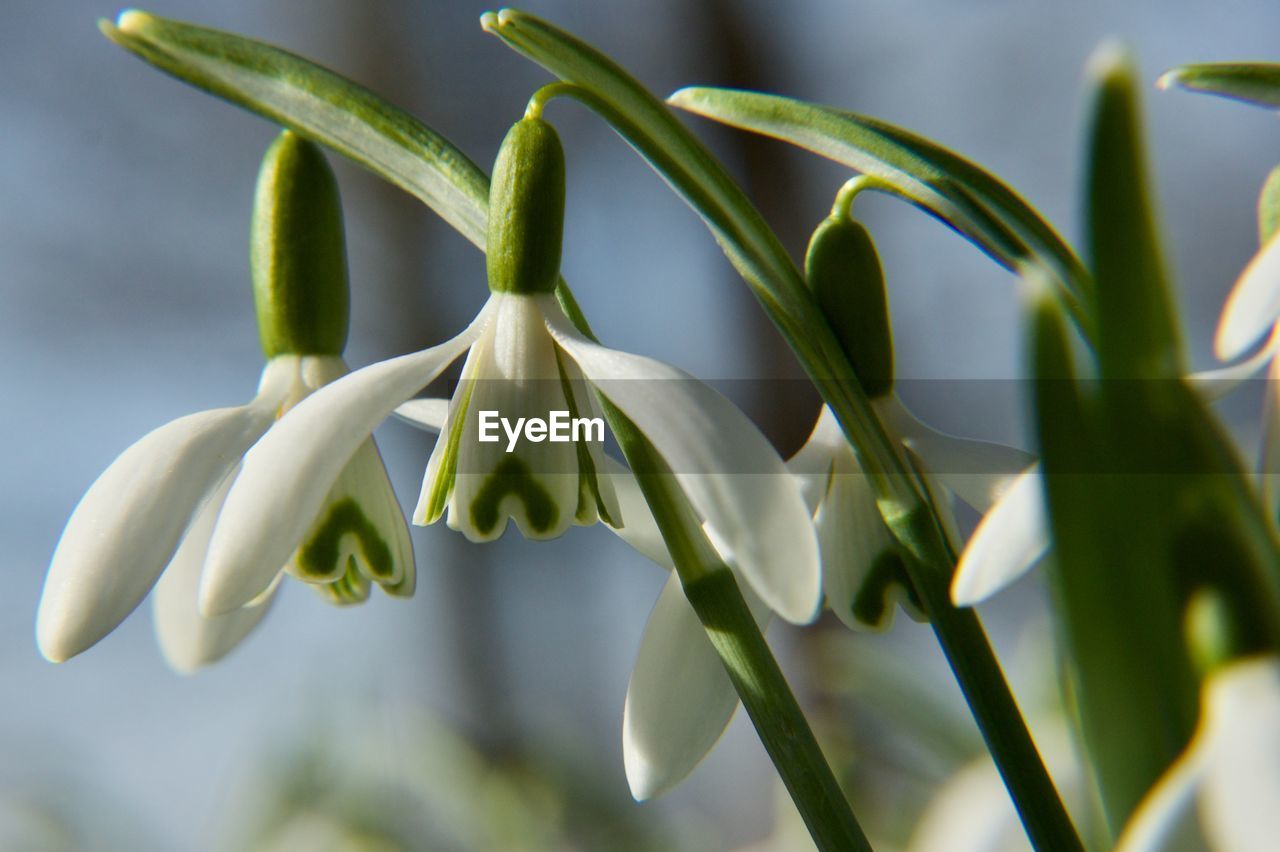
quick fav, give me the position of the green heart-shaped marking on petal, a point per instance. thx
(512, 476)
(319, 556)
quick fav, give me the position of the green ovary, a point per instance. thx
(513, 477)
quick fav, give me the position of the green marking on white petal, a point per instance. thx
(360, 525)
(515, 376)
(287, 475)
(349, 589)
(862, 574)
(512, 482)
(596, 500)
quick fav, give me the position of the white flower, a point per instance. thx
(1221, 794)
(727, 469)
(862, 573)
(151, 513)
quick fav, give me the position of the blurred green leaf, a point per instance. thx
(1256, 83)
(1138, 338)
(965, 197)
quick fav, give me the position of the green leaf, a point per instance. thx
(965, 197)
(319, 105)
(324, 107)
(1138, 337)
(1256, 83)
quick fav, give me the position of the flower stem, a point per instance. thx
(712, 591)
(974, 664)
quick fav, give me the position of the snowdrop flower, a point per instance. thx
(525, 359)
(1221, 793)
(150, 515)
(863, 574)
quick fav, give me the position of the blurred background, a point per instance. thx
(485, 712)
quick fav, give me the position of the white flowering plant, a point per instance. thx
(1161, 549)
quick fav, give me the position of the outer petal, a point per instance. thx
(188, 639)
(1241, 787)
(1231, 766)
(977, 472)
(812, 463)
(1254, 303)
(1215, 384)
(680, 699)
(426, 413)
(732, 476)
(1012, 538)
(287, 475)
(130, 522)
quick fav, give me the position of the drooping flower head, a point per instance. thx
(525, 361)
(863, 571)
(150, 515)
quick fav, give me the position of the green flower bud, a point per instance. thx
(1269, 206)
(298, 253)
(843, 271)
(526, 210)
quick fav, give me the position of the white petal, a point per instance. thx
(287, 475)
(812, 463)
(1215, 384)
(639, 529)
(1012, 538)
(977, 472)
(1231, 765)
(1241, 787)
(188, 639)
(130, 522)
(680, 699)
(1253, 305)
(536, 483)
(428, 414)
(731, 474)
(853, 539)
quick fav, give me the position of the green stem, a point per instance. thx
(712, 591)
(974, 663)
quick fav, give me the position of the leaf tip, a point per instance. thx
(491, 22)
(1111, 64)
(132, 21)
(1170, 79)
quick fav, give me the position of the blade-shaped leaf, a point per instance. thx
(318, 104)
(1256, 83)
(1138, 337)
(965, 197)
(324, 107)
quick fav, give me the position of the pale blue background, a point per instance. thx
(124, 203)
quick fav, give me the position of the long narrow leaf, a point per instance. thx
(965, 197)
(319, 105)
(1256, 83)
